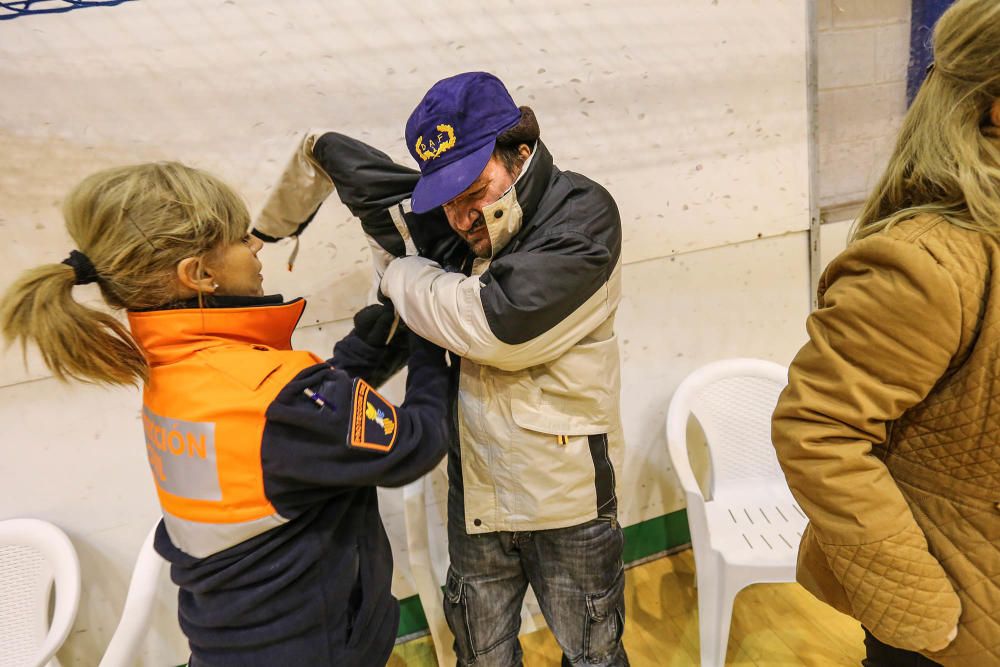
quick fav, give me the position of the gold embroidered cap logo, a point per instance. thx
(432, 148)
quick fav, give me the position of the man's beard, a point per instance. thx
(474, 230)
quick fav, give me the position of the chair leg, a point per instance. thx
(715, 612)
(427, 583)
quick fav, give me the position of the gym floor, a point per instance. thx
(774, 625)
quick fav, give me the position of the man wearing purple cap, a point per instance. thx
(526, 305)
(532, 493)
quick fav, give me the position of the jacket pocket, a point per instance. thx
(360, 604)
(576, 394)
(814, 574)
(531, 416)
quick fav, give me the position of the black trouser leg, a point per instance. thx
(883, 655)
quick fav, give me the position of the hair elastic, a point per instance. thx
(82, 267)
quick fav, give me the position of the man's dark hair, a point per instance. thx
(525, 132)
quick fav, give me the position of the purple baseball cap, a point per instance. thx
(452, 132)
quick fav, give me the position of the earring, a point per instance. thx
(215, 285)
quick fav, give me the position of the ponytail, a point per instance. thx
(134, 225)
(76, 341)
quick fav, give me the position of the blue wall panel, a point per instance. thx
(925, 15)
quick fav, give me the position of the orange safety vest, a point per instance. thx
(213, 373)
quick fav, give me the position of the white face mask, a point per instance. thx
(503, 220)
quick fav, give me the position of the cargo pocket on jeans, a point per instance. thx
(456, 612)
(605, 621)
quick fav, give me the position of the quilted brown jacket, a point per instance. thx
(889, 435)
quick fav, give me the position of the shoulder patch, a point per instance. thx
(373, 420)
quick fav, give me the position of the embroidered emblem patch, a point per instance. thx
(373, 420)
(432, 148)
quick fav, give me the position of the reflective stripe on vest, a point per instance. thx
(204, 446)
(202, 540)
(185, 465)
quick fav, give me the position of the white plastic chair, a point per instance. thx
(749, 530)
(34, 557)
(139, 603)
(426, 516)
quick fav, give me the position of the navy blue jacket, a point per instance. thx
(314, 588)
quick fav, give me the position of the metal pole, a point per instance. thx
(812, 123)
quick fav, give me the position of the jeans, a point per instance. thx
(883, 655)
(577, 576)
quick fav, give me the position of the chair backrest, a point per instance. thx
(35, 556)
(732, 400)
(138, 609)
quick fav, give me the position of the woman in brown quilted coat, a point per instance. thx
(889, 429)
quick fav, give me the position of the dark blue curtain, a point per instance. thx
(925, 15)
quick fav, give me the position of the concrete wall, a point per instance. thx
(864, 48)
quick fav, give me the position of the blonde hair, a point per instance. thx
(135, 224)
(946, 161)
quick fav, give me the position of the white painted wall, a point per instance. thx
(690, 112)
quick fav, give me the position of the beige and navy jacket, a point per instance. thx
(265, 461)
(889, 435)
(536, 425)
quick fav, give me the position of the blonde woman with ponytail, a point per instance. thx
(265, 459)
(889, 429)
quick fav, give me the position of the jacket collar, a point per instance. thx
(178, 330)
(214, 301)
(534, 181)
(507, 216)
